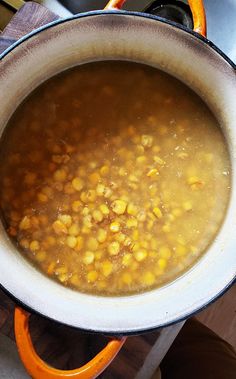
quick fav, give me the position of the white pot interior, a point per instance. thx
(141, 39)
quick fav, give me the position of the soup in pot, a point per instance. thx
(114, 178)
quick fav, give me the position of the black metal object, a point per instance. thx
(171, 10)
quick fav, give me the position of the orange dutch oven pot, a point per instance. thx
(35, 366)
(188, 55)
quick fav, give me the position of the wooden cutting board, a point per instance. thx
(61, 346)
(29, 17)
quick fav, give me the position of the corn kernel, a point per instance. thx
(154, 243)
(128, 241)
(208, 157)
(107, 192)
(88, 258)
(83, 197)
(135, 246)
(187, 205)
(120, 237)
(177, 212)
(42, 197)
(163, 129)
(141, 216)
(144, 244)
(140, 255)
(69, 189)
(157, 212)
(65, 219)
(60, 175)
(25, 223)
(98, 255)
(127, 259)
(97, 215)
(195, 182)
(73, 230)
(80, 243)
(75, 280)
(51, 240)
(100, 189)
(77, 184)
(115, 227)
(119, 206)
(102, 235)
(114, 248)
(34, 245)
(92, 276)
(182, 155)
(158, 160)
(41, 256)
(59, 227)
(30, 178)
(85, 211)
(146, 140)
(91, 195)
(141, 159)
(140, 149)
(71, 241)
(48, 191)
(24, 243)
(92, 244)
(122, 171)
(104, 209)
(104, 170)
(132, 209)
(133, 178)
(127, 278)
(181, 240)
(162, 263)
(153, 172)
(131, 223)
(106, 268)
(180, 250)
(87, 221)
(165, 252)
(135, 235)
(150, 225)
(63, 277)
(51, 267)
(61, 270)
(148, 278)
(94, 177)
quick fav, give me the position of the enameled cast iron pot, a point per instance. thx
(187, 55)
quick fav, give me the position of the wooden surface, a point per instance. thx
(221, 316)
(28, 18)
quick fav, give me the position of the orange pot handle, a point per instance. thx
(38, 369)
(196, 6)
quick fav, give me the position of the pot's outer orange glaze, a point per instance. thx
(40, 370)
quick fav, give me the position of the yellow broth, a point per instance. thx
(115, 178)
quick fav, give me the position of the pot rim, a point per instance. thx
(114, 333)
(208, 43)
(118, 12)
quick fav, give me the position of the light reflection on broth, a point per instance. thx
(114, 178)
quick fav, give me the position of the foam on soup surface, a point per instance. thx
(114, 178)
